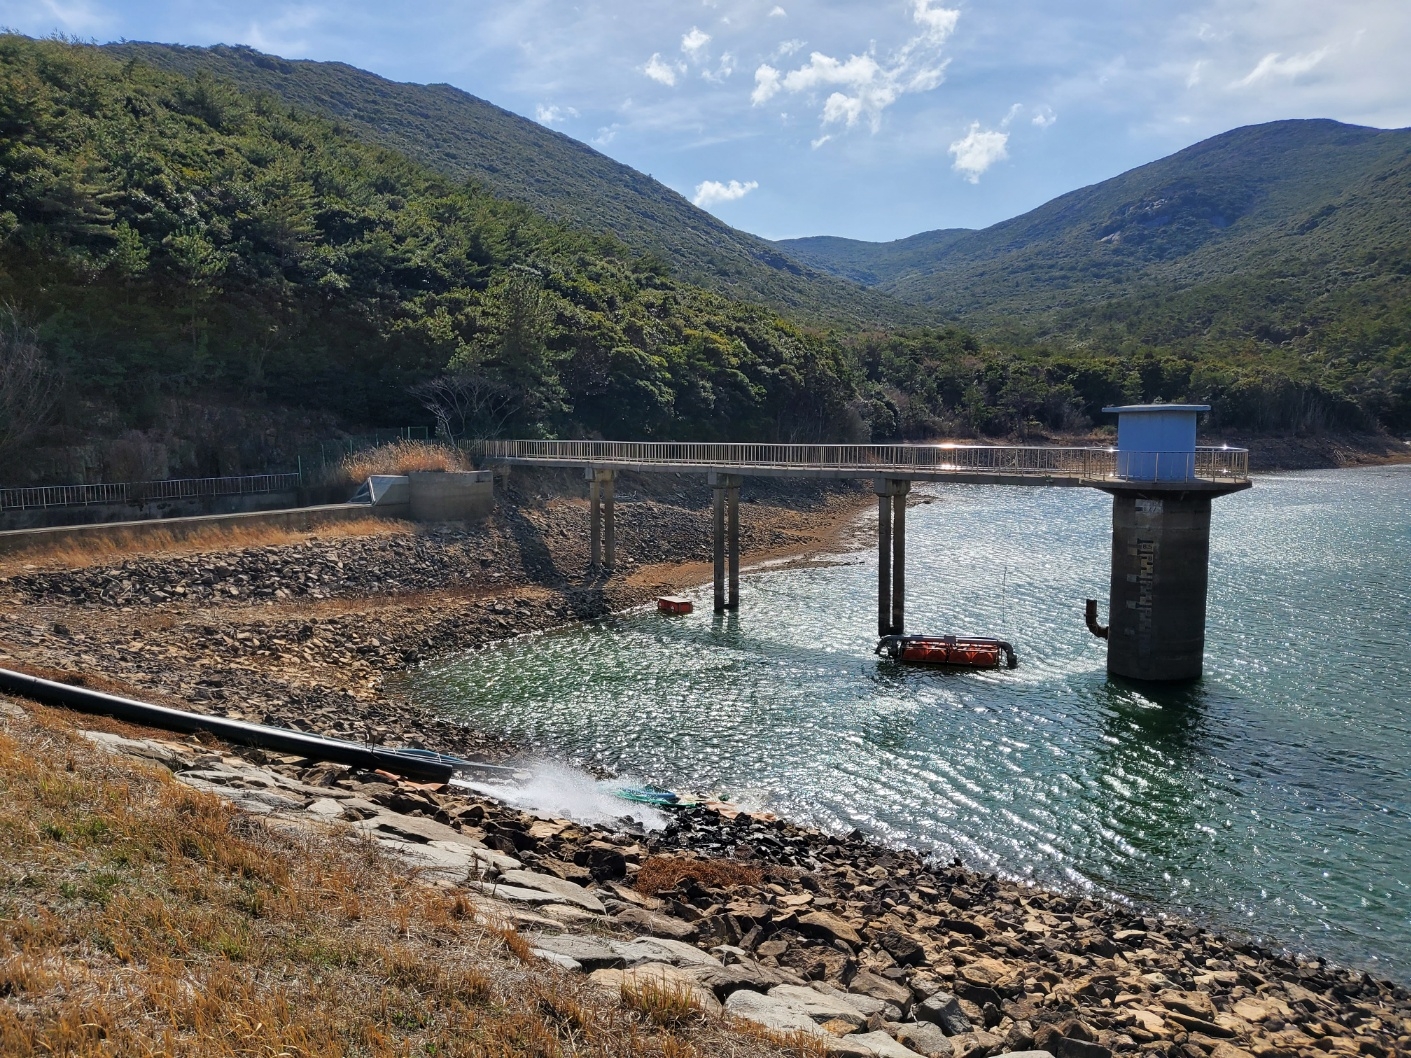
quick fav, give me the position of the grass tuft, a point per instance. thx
(662, 873)
(402, 457)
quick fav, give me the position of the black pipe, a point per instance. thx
(424, 765)
(1090, 615)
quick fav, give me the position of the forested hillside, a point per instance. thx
(464, 137)
(168, 234)
(170, 242)
(1287, 245)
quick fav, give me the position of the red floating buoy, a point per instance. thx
(968, 652)
(675, 604)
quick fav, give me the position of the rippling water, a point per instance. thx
(1274, 796)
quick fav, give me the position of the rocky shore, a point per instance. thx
(864, 949)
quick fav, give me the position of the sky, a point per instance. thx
(871, 119)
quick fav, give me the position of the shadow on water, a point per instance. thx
(1151, 768)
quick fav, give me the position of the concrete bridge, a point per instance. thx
(1161, 483)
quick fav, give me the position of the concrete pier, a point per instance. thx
(726, 489)
(602, 522)
(1160, 572)
(891, 554)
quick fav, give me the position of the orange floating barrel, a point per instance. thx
(674, 604)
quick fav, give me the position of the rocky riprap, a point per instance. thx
(871, 951)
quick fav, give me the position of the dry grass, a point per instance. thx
(403, 457)
(119, 545)
(660, 873)
(670, 1006)
(138, 917)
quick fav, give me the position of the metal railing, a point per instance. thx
(1087, 464)
(145, 491)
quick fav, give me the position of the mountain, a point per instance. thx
(173, 241)
(1288, 201)
(467, 138)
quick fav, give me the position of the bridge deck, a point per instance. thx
(1207, 469)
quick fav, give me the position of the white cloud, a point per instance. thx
(660, 71)
(722, 71)
(766, 85)
(694, 41)
(606, 134)
(548, 115)
(977, 150)
(1013, 113)
(1044, 116)
(709, 192)
(787, 48)
(863, 86)
(1274, 66)
(778, 12)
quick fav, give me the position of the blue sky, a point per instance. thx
(873, 120)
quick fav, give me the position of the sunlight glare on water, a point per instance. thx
(1274, 796)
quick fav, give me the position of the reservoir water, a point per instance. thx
(1272, 798)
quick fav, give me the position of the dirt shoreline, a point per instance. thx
(307, 635)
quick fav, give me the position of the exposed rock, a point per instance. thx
(656, 925)
(883, 1045)
(943, 1009)
(979, 1044)
(923, 1037)
(566, 892)
(663, 950)
(657, 975)
(820, 1006)
(589, 952)
(870, 984)
(821, 923)
(773, 1012)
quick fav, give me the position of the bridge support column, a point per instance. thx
(602, 523)
(1160, 571)
(726, 489)
(891, 554)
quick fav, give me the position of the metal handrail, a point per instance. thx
(144, 491)
(1088, 464)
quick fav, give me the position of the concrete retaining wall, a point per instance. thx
(103, 513)
(438, 496)
(299, 519)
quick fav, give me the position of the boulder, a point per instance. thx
(660, 975)
(867, 983)
(820, 1006)
(772, 1012)
(563, 962)
(905, 950)
(643, 921)
(662, 950)
(823, 924)
(589, 952)
(925, 1038)
(566, 891)
(879, 1043)
(726, 980)
(943, 1009)
(977, 1044)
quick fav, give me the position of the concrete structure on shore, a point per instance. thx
(1161, 485)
